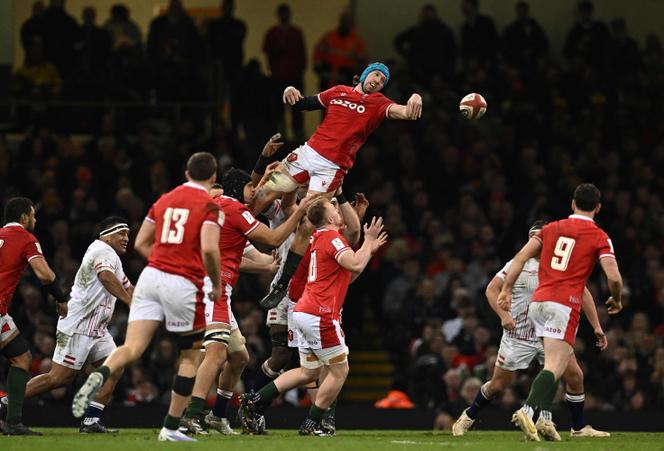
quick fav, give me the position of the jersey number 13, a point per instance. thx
(176, 217)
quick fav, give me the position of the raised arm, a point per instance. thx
(352, 221)
(293, 97)
(411, 111)
(269, 149)
(610, 267)
(531, 250)
(374, 238)
(274, 237)
(257, 262)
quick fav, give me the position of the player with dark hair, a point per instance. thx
(83, 335)
(568, 250)
(519, 347)
(352, 114)
(180, 239)
(18, 249)
(223, 339)
(317, 318)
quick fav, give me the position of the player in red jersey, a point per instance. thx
(240, 225)
(18, 249)
(180, 238)
(568, 250)
(352, 114)
(317, 317)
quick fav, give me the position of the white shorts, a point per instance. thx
(279, 315)
(319, 341)
(7, 327)
(304, 163)
(173, 299)
(515, 354)
(219, 312)
(554, 320)
(73, 351)
(293, 342)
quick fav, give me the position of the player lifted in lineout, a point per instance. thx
(180, 239)
(568, 250)
(352, 114)
(83, 334)
(317, 318)
(19, 249)
(519, 347)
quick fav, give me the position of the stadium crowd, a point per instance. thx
(457, 197)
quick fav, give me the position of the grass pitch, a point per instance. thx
(146, 440)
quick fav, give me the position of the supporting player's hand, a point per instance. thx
(507, 322)
(414, 107)
(374, 235)
(600, 339)
(307, 201)
(273, 267)
(505, 300)
(614, 307)
(62, 308)
(215, 293)
(360, 204)
(272, 145)
(292, 95)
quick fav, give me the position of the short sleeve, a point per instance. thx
(338, 246)
(605, 246)
(539, 235)
(327, 95)
(150, 217)
(383, 105)
(104, 261)
(32, 249)
(214, 215)
(247, 222)
(503, 272)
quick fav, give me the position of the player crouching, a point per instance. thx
(317, 318)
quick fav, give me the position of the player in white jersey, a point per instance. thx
(519, 347)
(83, 334)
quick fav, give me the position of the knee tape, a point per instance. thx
(19, 345)
(185, 342)
(183, 386)
(280, 339)
(281, 183)
(217, 336)
(236, 341)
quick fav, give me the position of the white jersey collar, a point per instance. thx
(195, 185)
(584, 218)
(13, 224)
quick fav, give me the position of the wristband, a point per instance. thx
(341, 199)
(261, 164)
(56, 291)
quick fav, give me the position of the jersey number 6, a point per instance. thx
(179, 217)
(562, 253)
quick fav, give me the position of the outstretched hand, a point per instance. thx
(360, 204)
(374, 235)
(272, 145)
(292, 95)
(414, 107)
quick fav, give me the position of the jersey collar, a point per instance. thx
(195, 185)
(585, 218)
(13, 224)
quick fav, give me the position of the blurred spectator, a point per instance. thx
(141, 389)
(524, 42)
(38, 78)
(587, 40)
(30, 27)
(123, 30)
(451, 409)
(286, 54)
(59, 32)
(226, 37)
(479, 38)
(339, 54)
(175, 52)
(429, 48)
(91, 53)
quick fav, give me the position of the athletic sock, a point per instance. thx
(104, 371)
(290, 266)
(171, 423)
(219, 409)
(547, 400)
(93, 413)
(332, 410)
(17, 378)
(264, 375)
(266, 394)
(575, 403)
(480, 401)
(196, 406)
(546, 415)
(541, 389)
(316, 413)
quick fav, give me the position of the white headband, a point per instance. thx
(114, 229)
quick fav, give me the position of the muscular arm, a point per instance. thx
(210, 252)
(531, 250)
(356, 261)
(41, 269)
(113, 286)
(309, 103)
(411, 111)
(352, 221)
(145, 239)
(590, 310)
(610, 267)
(274, 237)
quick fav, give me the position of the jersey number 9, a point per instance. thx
(562, 253)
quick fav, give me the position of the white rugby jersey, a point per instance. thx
(276, 216)
(91, 305)
(522, 293)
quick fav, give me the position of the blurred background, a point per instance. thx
(101, 103)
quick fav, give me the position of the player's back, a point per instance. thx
(238, 224)
(570, 248)
(17, 248)
(178, 216)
